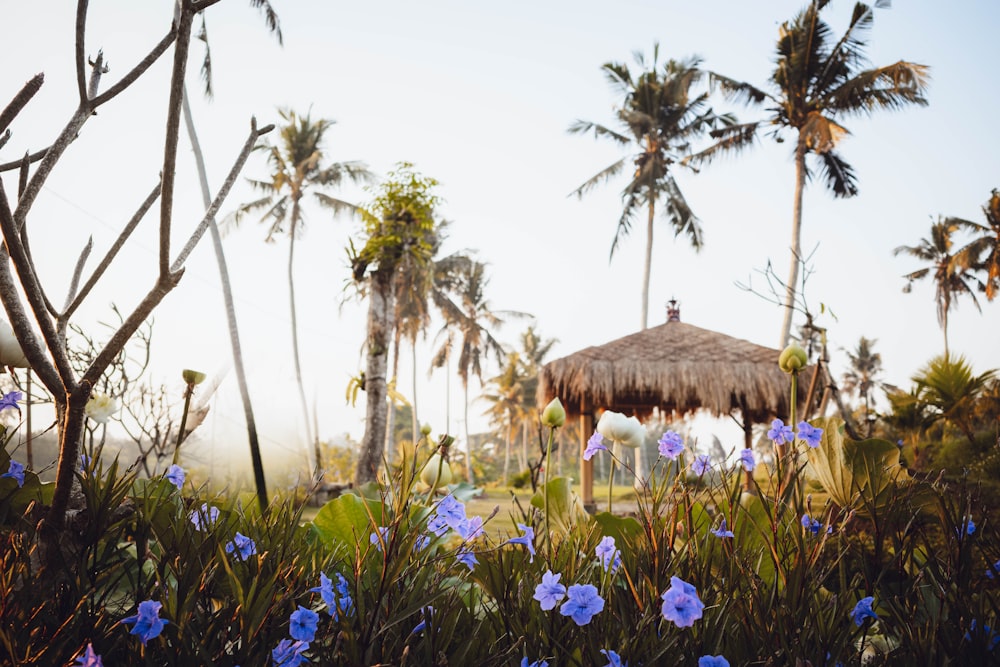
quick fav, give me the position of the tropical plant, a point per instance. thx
(399, 227)
(983, 253)
(865, 366)
(950, 277)
(950, 390)
(505, 396)
(297, 169)
(817, 80)
(658, 118)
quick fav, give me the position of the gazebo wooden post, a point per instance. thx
(586, 467)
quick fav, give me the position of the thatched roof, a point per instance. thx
(676, 367)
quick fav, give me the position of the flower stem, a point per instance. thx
(545, 489)
(611, 483)
(184, 416)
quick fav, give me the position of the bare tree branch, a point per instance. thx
(16, 164)
(74, 283)
(27, 91)
(81, 72)
(136, 71)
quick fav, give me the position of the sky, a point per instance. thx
(479, 96)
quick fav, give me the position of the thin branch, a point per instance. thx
(81, 29)
(137, 71)
(181, 48)
(234, 173)
(74, 283)
(32, 289)
(112, 252)
(16, 164)
(27, 91)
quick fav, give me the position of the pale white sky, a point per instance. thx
(479, 96)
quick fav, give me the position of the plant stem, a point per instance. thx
(611, 483)
(545, 489)
(180, 431)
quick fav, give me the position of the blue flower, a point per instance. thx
(863, 610)
(380, 537)
(16, 472)
(671, 445)
(712, 661)
(242, 546)
(536, 663)
(594, 444)
(467, 558)
(614, 660)
(426, 612)
(582, 603)
(449, 513)
(89, 658)
(302, 624)
(335, 597)
(780, 433)
(528, 540)
(550, 592)
(811, 524)
(148, 623)
(422, 542)
(811, 434)
(175, 475)
(748, 460)
(992, 638)
(723, 530)
(289, 654)
(204, 517)
(9, 401)
(681, 604)
(992, 570)
(700, 465)
(610, 557)
(970, 526)
(473, 528)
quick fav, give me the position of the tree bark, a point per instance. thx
(647, 263)
(796, 249)
(381, 318)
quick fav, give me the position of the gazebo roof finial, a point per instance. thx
(673, 310)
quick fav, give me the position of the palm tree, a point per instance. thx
(866, 364)
(950, 277)
(399, 228)
(949, 391)
(297, 168)
(468, 317)
(659, 117)
(987, 243)
(507, 403)
(816, 81)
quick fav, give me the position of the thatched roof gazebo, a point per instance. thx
(676, 367)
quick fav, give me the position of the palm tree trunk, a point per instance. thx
(468, 443)
(390, 406)
(230, 308)
(793, 269)
(506, 456)
(295, 341)
(944, 328)
(380, 326)
(414, 422)
(648, 263)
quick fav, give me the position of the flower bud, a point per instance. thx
(621, 430)
(192, 377)
(554, 414)
(100, 407)
(425, 430)
(793, 358)
(430, 474)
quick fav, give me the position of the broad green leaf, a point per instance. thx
(565, 507)
(346, 520)
(624, 529)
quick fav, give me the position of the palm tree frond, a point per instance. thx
(839, 176)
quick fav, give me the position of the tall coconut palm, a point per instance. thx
(865, 366)
(399, 228)
(658, 118)
(983, 253)
(469, 323)
(818, 80)
(297, 169)
(950, 277)
(506, 399)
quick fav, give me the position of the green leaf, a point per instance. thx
(565, 507)
(346, 520)
(624, 529)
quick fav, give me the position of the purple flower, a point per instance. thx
(148, 623)
(810, 523)
(992, 638)
(536, 663)
(863, 610)
(594, 444)
(609, 556)
(582, 603)
(528, 540)
(204, 517)
(335, 596)
(723, 530)
(302, 624)
(467, 558)
(681, 604)
(970, 526)
(453, 513)
(700, 465)
(780, 433)
(550, 592)
(748, 460)
(421, 543)
(713, 661)
(381, 536)
(426, 613)
(242, 546)
(16, 472)
(811, 434)
(89, 658)
(289, 654)
(473, 529)
(9, 401)
(671, 445)
(614, 660)
(175, 475)
(992, 570)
